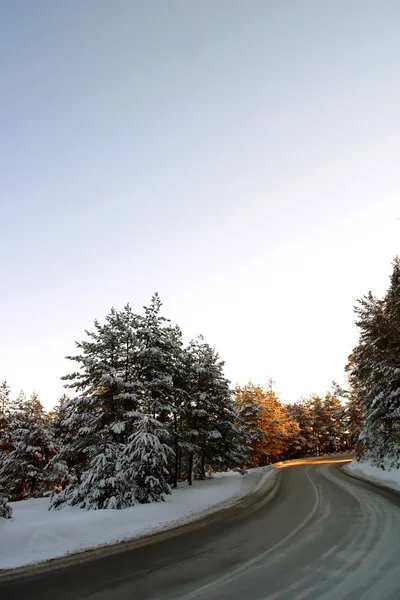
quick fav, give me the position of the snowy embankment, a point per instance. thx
(389, 478)
(35, 534)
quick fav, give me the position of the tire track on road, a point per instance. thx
(259, 560)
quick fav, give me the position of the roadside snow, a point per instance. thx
(389, 478)
(35, 534)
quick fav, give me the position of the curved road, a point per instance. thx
(322, 536)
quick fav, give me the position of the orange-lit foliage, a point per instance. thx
(266, 427)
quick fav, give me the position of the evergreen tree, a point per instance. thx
(267, 427)
(210, 436)
(5, 419)
(158, 345)
(146, 411)
(5, 508)
(179, 406)
(302, 444)
(127, 368)
(5, 443)
(101, 417)
(334, 439)
(101, 485)
(278, 425)
(250, 416)
(145, 460)
(374, 372)
(58, 415)
(321, 426)
(22, 471)
(105, 382)
(351, 414)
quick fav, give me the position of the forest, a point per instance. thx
(144, 411)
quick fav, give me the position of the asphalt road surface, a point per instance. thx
(323, 535)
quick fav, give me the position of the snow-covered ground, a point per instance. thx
(36, 534)
(390, 479)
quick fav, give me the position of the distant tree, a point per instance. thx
(250, 414)
(278, 424)
(302, 444)
(266, 425)
(351, 413)
(334, 438)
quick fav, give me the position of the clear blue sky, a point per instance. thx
(241, 158)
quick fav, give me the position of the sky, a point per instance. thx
(240, 158)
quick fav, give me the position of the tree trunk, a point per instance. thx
(176, 448)
(190, 467)
(180, 464)
(203, 465)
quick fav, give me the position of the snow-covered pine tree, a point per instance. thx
(179, 402)
(5, 444)
(158, 346)
(145, 460)
(100, 379)
(210, 433)
(351, 413)
(375, 371)
(4, 397)
(58, 469)
(386, 405)
(100, 418)
(162, 368)
(249, 417)
(334, 436)
(302, 444)
(5, 508)
(5, 419)
(22, 471)
(59, 414)
(318, 425)
(102, 484)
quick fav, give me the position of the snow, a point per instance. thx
(35, 534)
(388, 478)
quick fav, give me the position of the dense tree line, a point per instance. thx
(374, 376)
(273, 431)
(147, 411)
(267, 430)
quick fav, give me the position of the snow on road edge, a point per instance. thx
(35, 534)
(389, 478)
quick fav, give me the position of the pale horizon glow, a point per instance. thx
(239, 158)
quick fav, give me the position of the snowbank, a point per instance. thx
(36, 534)
(389, 479)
